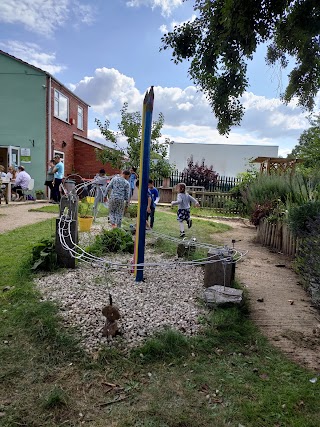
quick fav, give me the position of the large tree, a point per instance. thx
(130, 128)
(308, 147)
(224, 36)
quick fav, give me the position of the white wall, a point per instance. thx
(226, 159)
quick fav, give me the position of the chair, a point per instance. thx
(29, 190)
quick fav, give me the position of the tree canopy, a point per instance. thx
(308, 147)
(226, 33)
(130, 128)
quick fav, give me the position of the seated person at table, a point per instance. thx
(21, 183)
(11, 174)
(2, 187)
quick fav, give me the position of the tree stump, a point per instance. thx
(219, 272)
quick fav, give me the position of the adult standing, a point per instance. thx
(119, 197)
(58, 171)
(50, 177)
(21, 183)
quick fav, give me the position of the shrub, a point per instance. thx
(85, 209)
(308, 259)
(44, 255)
(115, 240)
(133, 210)
(199, 174)
(300, 218)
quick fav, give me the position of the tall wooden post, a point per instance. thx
(143, 183)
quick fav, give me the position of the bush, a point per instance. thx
(308, 260)
(115, 240)
(300, 218)
(44, 255)
(133, 210)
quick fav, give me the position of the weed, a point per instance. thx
(44, 256)
(165, 345)
(57, 398)
(115, 240)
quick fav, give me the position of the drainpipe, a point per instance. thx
(49, 122)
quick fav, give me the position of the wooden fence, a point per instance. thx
(219, 201)
(222, 184)
(277, 236)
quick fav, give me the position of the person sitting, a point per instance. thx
(21, 183)
(12, 173)
(2, 187)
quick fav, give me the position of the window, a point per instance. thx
(80, 118)
(61, 106)
(59, 153)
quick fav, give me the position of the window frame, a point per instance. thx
(57, 99)
(61, 154)
(81, 111)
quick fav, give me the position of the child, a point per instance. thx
(149, 206)
(155, 199)
(132, 180)
(183, 202)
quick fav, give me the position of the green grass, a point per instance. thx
(203, 231)
(226, 376)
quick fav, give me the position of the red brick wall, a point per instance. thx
(85, 162)
(62, 131)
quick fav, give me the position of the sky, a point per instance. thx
(108, 53)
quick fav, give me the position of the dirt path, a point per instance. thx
(17, 214)
(279, 305)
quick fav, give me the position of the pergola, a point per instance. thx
(276, 164)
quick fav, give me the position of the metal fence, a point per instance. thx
(222, 184)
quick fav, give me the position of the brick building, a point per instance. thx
(39, 118)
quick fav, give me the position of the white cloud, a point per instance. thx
(164, 28)
(166, 6)
(188, 117)
(107, 90)
(271, 118)
(44, 17)
(31, 53)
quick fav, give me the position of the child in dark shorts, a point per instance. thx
(183, 201)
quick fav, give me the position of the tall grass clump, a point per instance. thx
(272, 195)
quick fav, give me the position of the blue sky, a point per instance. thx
(107, 51)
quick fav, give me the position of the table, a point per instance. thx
(8, 184)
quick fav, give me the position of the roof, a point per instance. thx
(275, 160)
(43, 71)
(90, 142)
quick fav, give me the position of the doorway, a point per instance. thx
(9, 155)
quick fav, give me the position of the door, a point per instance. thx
(13, 156)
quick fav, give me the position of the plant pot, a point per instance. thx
(165, 182)
(39, 196)
(85, 223)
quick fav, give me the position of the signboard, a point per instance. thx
(25, 155)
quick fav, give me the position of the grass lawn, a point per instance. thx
(228, 376)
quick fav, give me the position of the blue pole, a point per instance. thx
(143, 182)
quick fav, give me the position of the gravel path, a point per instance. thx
(279, 305)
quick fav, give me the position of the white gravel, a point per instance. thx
(166, 298)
